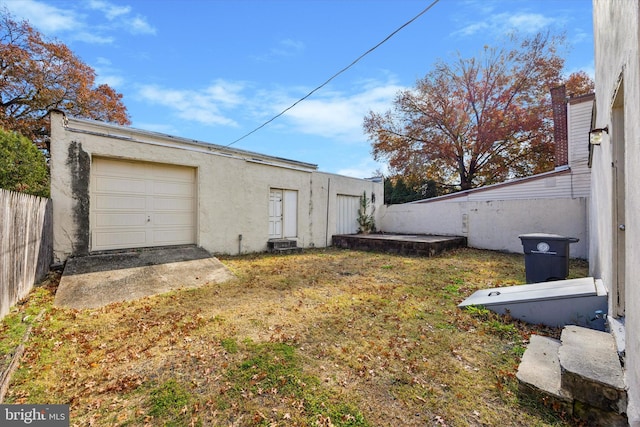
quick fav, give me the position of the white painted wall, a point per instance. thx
(617, 56)
(232, 186)
(495, 224)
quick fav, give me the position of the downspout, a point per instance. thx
(326, 232)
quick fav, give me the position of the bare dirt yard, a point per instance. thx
(323, 338)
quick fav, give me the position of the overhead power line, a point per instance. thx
(425, 10)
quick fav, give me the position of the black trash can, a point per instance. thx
(546, 256)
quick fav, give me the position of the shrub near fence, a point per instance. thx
(25, 245)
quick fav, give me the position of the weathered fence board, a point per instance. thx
(25, 245)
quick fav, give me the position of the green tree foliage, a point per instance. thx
(366, 215)
(398, 190)
(23, 167)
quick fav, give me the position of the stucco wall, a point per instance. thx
(617, 56)
(495, 224)
(325, 188)
(232, 187)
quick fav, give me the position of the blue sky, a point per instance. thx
(214, 70)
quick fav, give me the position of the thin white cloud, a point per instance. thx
(78, 21)
(107, 74)
(121, 17)
(333, 114)
(47, 18)
(288, 47)
(527, 22)
(139, 25)
(339, 115)
(206, 106)
(284, 48)
(92, 38)
(112, 80)
(506, 22)
(110, 11)
(365, 168)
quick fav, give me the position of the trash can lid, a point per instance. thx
(547, 236)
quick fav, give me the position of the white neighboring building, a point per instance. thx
(115, 188)
(614, 223)
(493, 217)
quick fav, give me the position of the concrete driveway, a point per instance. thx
(97, 280)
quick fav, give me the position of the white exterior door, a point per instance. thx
(138, 204)
(290, 214)
(275, 214)
(347, 214)
(283, 214)
(619, 207)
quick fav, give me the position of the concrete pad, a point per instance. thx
(404, 244)
(97, 280)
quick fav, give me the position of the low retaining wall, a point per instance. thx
(493, 225)
(403, 245)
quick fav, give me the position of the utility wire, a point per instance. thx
(336, 74)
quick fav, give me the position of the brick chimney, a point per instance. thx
(560, 134)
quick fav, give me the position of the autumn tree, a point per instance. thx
(579, 83)
(37, 75)
(475, 121)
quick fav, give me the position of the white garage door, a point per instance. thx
(136, 204)
(347, 214)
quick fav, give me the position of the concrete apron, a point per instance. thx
(98, 280)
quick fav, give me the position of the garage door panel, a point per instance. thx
(111, 202)
(171, 173)
(138, 204)
(161, 219)
(114, 167)
(120, 185)
(172, 204)
(181, 189)
(120, 220)
(118, 240)
(172, 236)
(347, 214)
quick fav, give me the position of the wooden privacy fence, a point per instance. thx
(26, 248)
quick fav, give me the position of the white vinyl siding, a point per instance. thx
(138, 204)
(579, 119)
(347, 214)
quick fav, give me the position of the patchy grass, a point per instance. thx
(327, 337)
(15, 324)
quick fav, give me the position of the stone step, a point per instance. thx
(273, 244)
(571, 375)
(283, 251)
(591, 368)
(539, 373)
